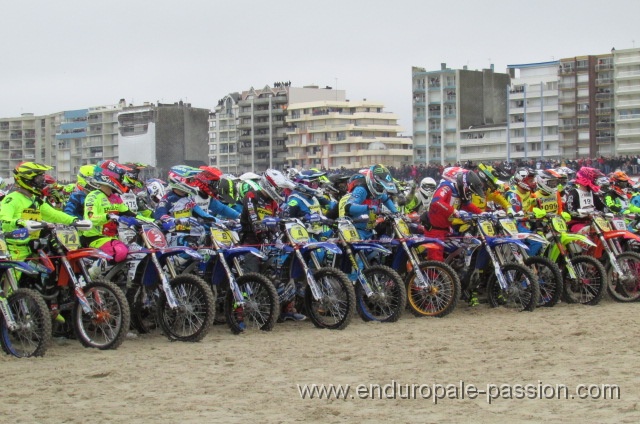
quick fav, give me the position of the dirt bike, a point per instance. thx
(433, 287)
(247, 299)
(328, 295)
(548, 273)
(380, 291)
(483, 264)
(583, 276)
(181, 305)
(95, 310)
(623, 267)
(25, 321)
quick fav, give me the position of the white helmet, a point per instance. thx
(274, 183)
(426, 190)
(250, 176)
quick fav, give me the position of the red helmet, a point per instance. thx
(208, 180)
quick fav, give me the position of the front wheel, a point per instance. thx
(190, 320)
(589, 285)
(625, 287)
(521, 291)
(106, 326)
(438, 295)
(336, 305)
(260, 308)
(388, 297)
(33, 325)
(549, 279)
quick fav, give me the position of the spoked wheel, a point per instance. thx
(33, 325)
(260, 308)
(388, 297)
(191, 319)
(143, 303)
(588, 288)
(521, 292)
(440, 293)
(625, 287)
(106, 326)
(549, 279)
(336, 306)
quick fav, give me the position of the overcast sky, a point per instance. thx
(68, 54)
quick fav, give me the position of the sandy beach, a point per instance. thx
(256, 377)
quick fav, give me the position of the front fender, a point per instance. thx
(497, 241)
(331, 247)
(621, 233)
(19, 266)
(368, 246)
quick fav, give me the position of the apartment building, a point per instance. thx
(626, 99)
(21, 138)
(342, 133)
(447, 101)
(224, 134)
(533, 112)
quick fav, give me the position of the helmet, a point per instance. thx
(274, 183)
(604, 183)
(310, 177)
(111, 174)
(3, 184)
(30, 176)
(547, 181)
(379, 181)
(245, 187)
(468, 183)
(356, 180)
(155, 189)
(488, 176)
(588, 176)
(426, 189)
(227, 189)
(620, 180)
(323, 175)
(85, 176)
(250, 176)
(339, 182)
(525, 178)
(181, 178)
(208, 180)
(132, 178)
(292, 173)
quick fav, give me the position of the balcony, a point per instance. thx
(628, 117)
(567, 85)
(567, 142)
(604, 140)
(604, 125)
(604, 111)
(627, 74)
(603, 81)
(604, 66)
(566, 69)
(604, 96)
(567, 127)
(628, 88)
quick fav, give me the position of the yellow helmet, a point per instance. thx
(30, 176)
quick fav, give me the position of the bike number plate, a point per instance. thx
(298, 233)
(559, 224)
(509, 226)
(403, 227)
(69, 238)
(348, 231)
(155, 237)
(487, 228)
(222, 237)
(602, 223)
(619, 224)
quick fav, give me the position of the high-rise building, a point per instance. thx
(533, 112)
(447, 101)
(223, 134)
(342, 133)
(626, 89)
(21, 138)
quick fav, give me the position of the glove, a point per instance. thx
(374, 209)
(270, 222)
(167, 225)
(129, 221)
(539, 213)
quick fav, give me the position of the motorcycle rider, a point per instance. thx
(580, 197)
(75, 204)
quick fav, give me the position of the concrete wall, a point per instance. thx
(483, 98)
(181, 136)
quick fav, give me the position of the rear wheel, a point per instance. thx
(589, 285)
(261, 305)
(388, 297)
(625, 287)
(106, 326)
(521, 292)
(336, 305)
(438, 295)
(33, 325)
(143, 303)
(191, 319)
